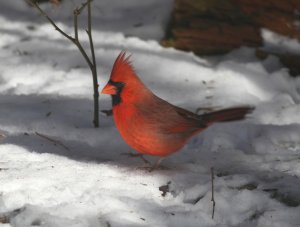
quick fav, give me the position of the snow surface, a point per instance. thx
(81, 178)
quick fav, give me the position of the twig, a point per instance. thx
(212, 192)
(94, 68)
(83, 5)
(72, 39)
(75, 40)
(36, 5)
(52, 140)
(76, 13)
(89, 31)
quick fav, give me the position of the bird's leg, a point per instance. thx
(156, 165)
(134, 155)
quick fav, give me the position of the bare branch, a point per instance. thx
(83, 5)
(94, 69)
(76, 24)
(52, 140)
(77, 12)
(91, 62)
(36, 5)
(72, 39)
(212, 192)
(89, 31)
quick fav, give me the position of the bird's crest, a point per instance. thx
(122, 69)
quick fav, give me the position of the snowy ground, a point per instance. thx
(82, 180)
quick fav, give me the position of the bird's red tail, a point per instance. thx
(231, 114)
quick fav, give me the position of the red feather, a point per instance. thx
(151, 125)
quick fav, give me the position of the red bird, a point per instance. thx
(149, 124)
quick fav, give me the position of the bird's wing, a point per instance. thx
(168, 118)
(191, 117)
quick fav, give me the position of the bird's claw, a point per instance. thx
(135, 155)
(152, 168)
(155, 166)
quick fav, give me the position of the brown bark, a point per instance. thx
(218, 26)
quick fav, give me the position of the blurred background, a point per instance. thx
(214, 27)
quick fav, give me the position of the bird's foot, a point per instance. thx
(156, 166)
(136, 155)
(152, 168)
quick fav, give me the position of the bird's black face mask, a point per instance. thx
(116, 98)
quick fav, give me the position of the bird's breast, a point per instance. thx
(143, 133)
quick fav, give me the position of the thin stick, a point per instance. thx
(83, 5)
(212, 192)
(76, 13)
(94, 68)
(36, 5)
(89, 32)
(52, 140)
(72, 39)
(75, 40)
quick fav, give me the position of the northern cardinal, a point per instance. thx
(149, 124)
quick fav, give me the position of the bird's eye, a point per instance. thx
(118, 85)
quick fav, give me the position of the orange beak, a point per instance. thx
(109, 89)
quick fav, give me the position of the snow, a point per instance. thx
(60, 171)
(280, 43)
